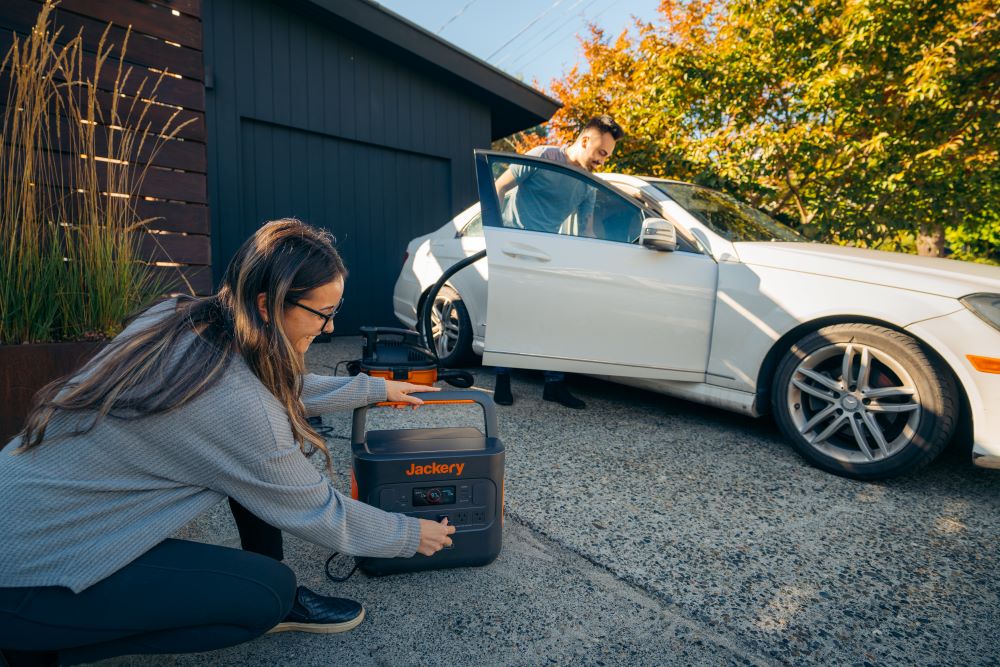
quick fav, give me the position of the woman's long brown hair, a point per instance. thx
(162, 367)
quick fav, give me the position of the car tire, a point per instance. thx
(893, 416)
(455, 348)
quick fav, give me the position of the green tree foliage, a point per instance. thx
(874, 122)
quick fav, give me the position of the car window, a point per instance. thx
(616, 219)
(473, 227)
(727, 216)
(685, 241)
(554, 200)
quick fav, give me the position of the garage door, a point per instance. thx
(374, 200)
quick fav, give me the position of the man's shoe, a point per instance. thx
(501, 390)
(557, 391)
(313, 612)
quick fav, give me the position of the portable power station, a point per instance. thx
(432, 473)
(397, 354)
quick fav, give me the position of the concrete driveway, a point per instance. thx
(651, 531)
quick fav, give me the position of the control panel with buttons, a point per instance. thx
(466, 504)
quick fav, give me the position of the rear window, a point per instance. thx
(473, 227)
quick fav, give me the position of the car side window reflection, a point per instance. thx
(615, 219)
(542, 199)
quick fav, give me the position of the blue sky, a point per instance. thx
(530, 39)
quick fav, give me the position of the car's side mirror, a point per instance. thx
(658, 234)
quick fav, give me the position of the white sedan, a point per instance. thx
(870, 361)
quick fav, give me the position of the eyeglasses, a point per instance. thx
(326, 318)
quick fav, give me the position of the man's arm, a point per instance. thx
(505, 184)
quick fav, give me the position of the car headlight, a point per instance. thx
(986, 306)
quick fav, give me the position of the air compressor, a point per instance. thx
(398, 354)
(407, 355)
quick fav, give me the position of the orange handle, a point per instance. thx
(416, 405)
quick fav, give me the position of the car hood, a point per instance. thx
(931, 275)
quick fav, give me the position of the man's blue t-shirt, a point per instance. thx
(544, 197)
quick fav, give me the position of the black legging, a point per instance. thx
(256, 535)
(179, 597)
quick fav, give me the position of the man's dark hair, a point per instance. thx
(605, 124)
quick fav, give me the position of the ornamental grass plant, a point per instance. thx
(71, 266)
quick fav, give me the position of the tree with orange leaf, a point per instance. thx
(873, 122)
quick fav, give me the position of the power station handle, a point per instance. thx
(484, 400)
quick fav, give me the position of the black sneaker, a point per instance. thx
(501, 390)
(556, 391)
(313, 612)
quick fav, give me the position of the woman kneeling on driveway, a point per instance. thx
(196, 401)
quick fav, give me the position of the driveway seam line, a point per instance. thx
(669, 609)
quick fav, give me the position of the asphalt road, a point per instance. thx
(651, 531)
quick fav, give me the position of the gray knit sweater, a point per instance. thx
(77, 509)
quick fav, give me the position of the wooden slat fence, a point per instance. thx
(165, 37)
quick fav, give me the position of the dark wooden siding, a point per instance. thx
(307, 119)
(165, 37)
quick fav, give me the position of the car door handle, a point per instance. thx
(528, 254)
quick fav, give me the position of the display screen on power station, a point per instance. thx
(434, 495)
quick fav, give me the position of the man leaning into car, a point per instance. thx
(543, 201)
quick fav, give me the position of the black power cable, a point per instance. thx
(335, 578)
(425, 314)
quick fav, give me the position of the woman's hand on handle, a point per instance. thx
(399, 392)
(434, 536)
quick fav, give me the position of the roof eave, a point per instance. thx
(515, 105)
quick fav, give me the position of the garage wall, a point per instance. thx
(309, 119)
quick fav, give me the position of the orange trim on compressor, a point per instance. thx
(984, 364)
(354, 485)
(428, 376)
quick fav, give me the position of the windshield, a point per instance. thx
(726, 216)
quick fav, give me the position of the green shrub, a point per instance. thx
(975, 243)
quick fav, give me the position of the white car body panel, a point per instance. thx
(593, 306)
(765, 290)
(928, 275)
(757, 305)
(429, 256)
(743, 402)
(954, 336)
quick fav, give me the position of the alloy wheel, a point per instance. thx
(444, 326)
(854, 403)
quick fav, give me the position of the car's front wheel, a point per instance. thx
(864, 401)
(451, 328)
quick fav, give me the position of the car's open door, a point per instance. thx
(570, 288)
